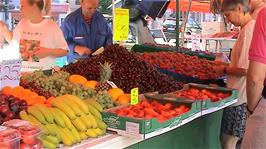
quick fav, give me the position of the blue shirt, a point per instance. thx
(78, 32)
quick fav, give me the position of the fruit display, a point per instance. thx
(128, 71)
(9, 138)
(69, 120)
(10, 107)
(57, 84)
(24, 94)
(152, 109)
(179, 63)
(29, 134)
(202, 94)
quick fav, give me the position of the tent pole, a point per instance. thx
(177, 24)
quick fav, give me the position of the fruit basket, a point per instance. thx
(138, 120)
(212, 98)
(9, 138)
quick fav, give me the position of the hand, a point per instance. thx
(82, 50)
(42, 52)
(219, 69)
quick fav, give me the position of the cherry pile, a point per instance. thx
(129, 71)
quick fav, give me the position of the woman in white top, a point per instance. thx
(39, 40)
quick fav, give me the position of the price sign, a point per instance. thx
(134, 96)
(195, 42)
(121, 24)
(10, 73)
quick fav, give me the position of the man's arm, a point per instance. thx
(255, 82)
(72, 45)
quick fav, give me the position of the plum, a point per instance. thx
(4, 109)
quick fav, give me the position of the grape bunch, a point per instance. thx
(105, 100)
(57, 84)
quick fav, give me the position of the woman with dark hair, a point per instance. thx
(39, 40)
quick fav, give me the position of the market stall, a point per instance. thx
(155, 96)
(77, 107)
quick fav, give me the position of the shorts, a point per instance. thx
(234, 120)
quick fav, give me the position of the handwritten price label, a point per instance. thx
(10, 73)
(134, 96)
(121, 24)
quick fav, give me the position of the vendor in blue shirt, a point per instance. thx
(86, 30)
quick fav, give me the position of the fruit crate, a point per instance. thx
(188, 79)
(147, 128)
(208, 106)
(144, 48)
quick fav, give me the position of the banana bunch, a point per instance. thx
(69, 120)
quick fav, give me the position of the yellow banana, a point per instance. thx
(86, 120)
(48, 144)
(78, 101)
(83, 135)
(98, 131)
(64, 108)
(37, 114)
(95, 112)
(91, 133)
(76, 135)
(57, 118)
(66, 120)
(66, 137)
(46, 113)
(79, 124)
(53, 130)
(94, 103)
(24, 116)
(93, 121)
(72, 105)
(52, 139)
(101, 124)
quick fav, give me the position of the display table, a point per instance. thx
(201, 133)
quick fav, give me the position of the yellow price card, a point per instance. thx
(121, 24)
(134, 96)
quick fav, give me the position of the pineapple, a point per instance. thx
(105, 75)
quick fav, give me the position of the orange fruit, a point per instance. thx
(19, 89)
(7, 90)
(124, 99)
(115, 93)
(40, 99)
(77, 79)
(90, 84)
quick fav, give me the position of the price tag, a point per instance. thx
(10, 73)
(121, 24)
(134, 96)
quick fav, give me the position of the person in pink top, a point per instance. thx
(255, 132)
(256, 6)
